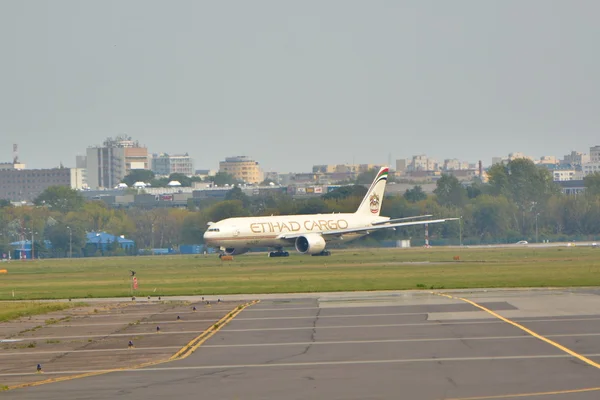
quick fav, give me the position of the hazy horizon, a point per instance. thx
(292, 84)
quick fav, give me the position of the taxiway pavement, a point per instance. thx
(404, 345)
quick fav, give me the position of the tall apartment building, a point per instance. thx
(107, 165)
(455, 164)
(595, 154)
(167, 164)
(511, 157)
(575, 158)
(401, 166)
(242, 168)
(548, 160)
(81, 164)
(422, 163)
(27, 184)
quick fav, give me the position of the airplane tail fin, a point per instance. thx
(371, 204)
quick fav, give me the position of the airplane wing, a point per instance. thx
(367, 229)
(401, 219)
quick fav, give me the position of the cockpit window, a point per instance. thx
(213, 229)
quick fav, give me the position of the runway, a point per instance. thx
(542, 344)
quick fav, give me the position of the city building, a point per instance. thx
(101, 242)
(401, 166)
(242, 168)
(422, 163)
(81, 164)
(343, 168)
(595, 154)
(559, 175)
(272, 176)
(166, 164)
(26, 184)
(511, 157)
(108, 164)
(548, 160)
(11, 166)
(575, 158)
(590, 168)
(455, 164)
(573, 187)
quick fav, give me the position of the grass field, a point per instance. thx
(18, 309)
(349, 270)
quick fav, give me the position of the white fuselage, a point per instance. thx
(249, 232)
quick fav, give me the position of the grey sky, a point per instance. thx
(297, 83)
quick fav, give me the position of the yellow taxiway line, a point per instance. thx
(184, 352)
(517, 395)
(537, 336)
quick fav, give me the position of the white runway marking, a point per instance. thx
(396, 340)
(307, 364)
(242, 319)
(181, 321)
(429, 323)
(35, 353)
(111, 335)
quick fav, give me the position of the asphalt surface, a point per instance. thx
(377, 346)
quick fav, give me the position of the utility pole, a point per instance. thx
(460, 230)
(70, 242)
(32, 246)
(152, 239)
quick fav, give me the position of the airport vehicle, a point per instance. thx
(308, 233)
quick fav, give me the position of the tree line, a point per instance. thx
(519, 202)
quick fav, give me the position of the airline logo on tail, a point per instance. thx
(374, 201)
(371, 204)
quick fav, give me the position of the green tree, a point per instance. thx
(63, 236)
(222, 179)
(313, 206)
(344, 192)
(592, 184)
(367, 177)
(159, 182)
(185, 181)
(415, 194)
(492, 216)
(474, 190)
(450, 192)
(5, 203)
(60, 198)
(227, 209)
(138, 175)
(193, 228)
(527, 185)
(236, 193)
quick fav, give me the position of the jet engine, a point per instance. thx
(230, 251)
(310, 244)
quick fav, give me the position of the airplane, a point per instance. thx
(308, 233)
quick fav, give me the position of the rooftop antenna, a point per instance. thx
(15, 153)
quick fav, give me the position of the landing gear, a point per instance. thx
(323, 253)
(279, 253)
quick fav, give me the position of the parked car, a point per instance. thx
(522, 242)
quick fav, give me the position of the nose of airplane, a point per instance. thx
(210, 235)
